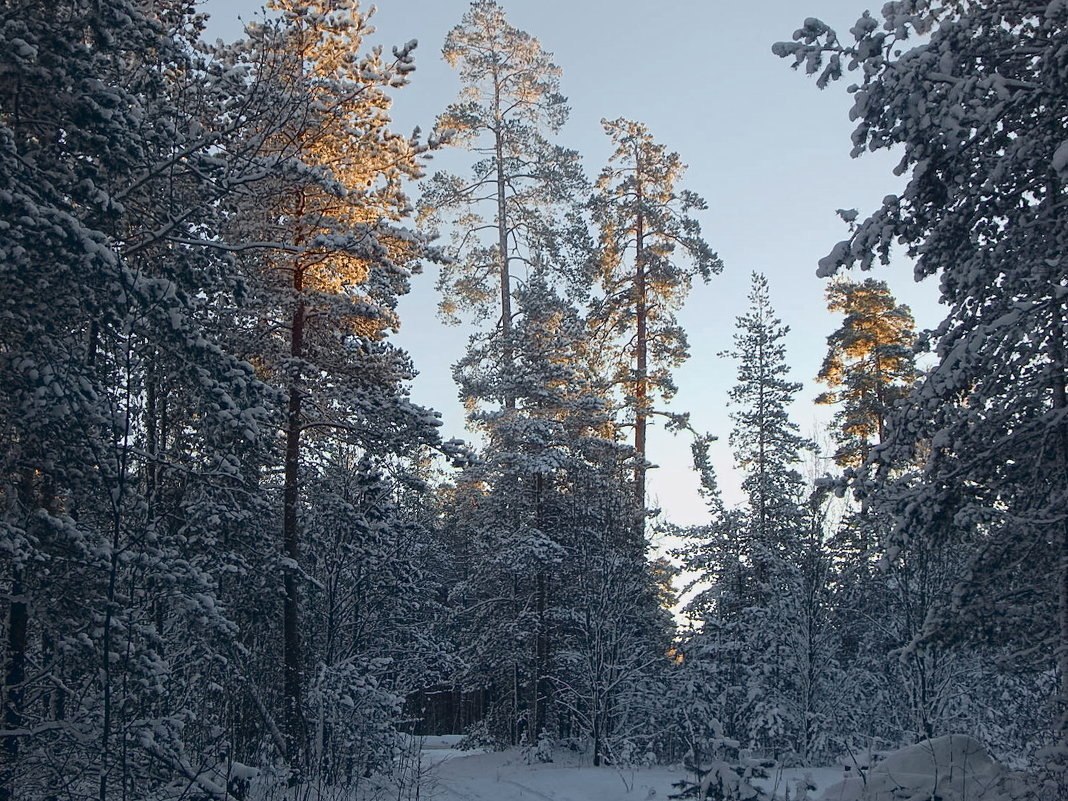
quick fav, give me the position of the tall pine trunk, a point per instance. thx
(641, 391)
(292, 657)
(291, 650)
(1060, 403)
(14, 676)
(502, 239)
(542, 645)
(1059, 384)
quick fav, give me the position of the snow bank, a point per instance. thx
(951, 768)
(512, 776)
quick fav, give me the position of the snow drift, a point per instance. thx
(951, 768)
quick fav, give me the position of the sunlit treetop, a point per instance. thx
(869, 365)
(343, 190)
(506, 73)
(644, 216)
(517, 208)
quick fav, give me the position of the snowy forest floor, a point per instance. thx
(452, 775)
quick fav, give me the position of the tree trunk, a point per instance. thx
(542, 683)
(641, 344)
(762, 456)
(292, 658)
(502, 240)
(111, 605)
(14, 676)
(1059, 367)
(291, 650)
(543, 686)
(1060, 402)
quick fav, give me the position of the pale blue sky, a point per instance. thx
(766, 149)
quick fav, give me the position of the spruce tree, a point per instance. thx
(750, 650)
(766, 442)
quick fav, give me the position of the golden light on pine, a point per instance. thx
(869, 362)
(355, 168)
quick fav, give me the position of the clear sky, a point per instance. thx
(765, 148)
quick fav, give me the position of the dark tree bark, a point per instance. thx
(293, 724)
(14, 676)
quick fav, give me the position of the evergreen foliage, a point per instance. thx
(560, 619)
(568, 629)
(144, 380)
(111, 623)
(762, 662)
(869, 365)
(973, 108)
(520, 202)
(230, 560)
(766, 443)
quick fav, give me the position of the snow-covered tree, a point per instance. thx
(766, 442)
(974, 110)
(125, 425)
(515, 500)
(560, 623)
(758, 656)
(533, 387)
(155, 262)
(328, 259)
(373, 614)
(614, 659)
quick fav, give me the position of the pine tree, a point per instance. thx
(334, 263)
(973, 112)
(647, 233)
(148, 219)
(869, 364)
(519, 511)
(883, 608)
(522, 187)
(528, 383)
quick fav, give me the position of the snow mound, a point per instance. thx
(1060, 157)
(951, 768)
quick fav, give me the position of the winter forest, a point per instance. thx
(240, 562)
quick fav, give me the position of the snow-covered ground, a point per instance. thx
(950, 768)
(453, 775)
